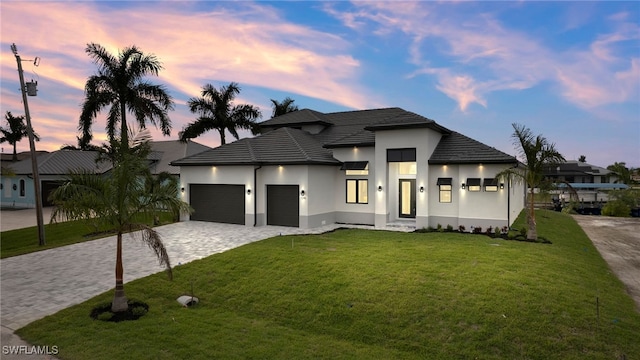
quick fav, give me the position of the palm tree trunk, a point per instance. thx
(532, 234)
(222, 139)
(124, 131)
(15, 153)
(119, 299)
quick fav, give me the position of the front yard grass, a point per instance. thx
(24, 241)
(357, 294)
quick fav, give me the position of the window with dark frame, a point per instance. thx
(22, 188)
(357, 191)
(444, 184)
(473, 184)
(490, 185)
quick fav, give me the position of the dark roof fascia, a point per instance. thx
(415, 125)
(466, 162)
(296, 124)
(263, 163)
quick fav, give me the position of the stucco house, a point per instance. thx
(17, 190)
(374, 167)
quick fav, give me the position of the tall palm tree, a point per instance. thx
(216, 112)
(118, 202)
(281, 108)
(120, 85)
(16, 131)
(537, 153)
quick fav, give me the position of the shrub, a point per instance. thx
(449, 228)
(139, 311)
(523, 231)
(489, 231)
(616, 208)
(461, 228)
(477, 230)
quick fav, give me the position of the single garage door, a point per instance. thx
(283, 205)
(217, 203)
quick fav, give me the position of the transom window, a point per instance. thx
(407, 168)
(357, 191)
(490, 185)
(473, 184)
(355, 167)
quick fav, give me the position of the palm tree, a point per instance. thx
(118, 202)
(218, 113)
(621, 171)
(537, 152)
(16, 131)
(281, 108)
(120, 85)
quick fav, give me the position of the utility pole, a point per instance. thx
(32, 146)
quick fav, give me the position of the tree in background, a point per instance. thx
(582, 159)
(16, 131)
(216, 112)
(120, 85)
(281, 108)
(83, 144)
(621, 171)
(536, 152)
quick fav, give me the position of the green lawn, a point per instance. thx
(357, 294)
(24, 241)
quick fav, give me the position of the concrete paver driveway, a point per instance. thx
(39, 284)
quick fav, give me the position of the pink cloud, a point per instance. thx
(250, 44)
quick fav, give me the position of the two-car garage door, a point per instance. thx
(226, 204)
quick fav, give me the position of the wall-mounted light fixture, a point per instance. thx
(463, 186)
(501, 185)
(302, 193)
(182, 189)
(380, 188)
(248, 191)
(421, 189)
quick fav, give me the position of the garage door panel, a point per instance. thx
(217, 203)
(283, 205)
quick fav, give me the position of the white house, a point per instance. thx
(371, 167)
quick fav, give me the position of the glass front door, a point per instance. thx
(407, 199)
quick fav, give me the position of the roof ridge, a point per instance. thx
(251, 152)
(295, 141)
(364, 110)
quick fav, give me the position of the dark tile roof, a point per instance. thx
(575, 168)
(456, 148)
(284, 146)
(164, 152)
(342, 129)
(304, 116)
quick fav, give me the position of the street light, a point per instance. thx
(30, 88)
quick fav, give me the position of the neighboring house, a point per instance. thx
(590, 182)
(371, 167)
(18, 190)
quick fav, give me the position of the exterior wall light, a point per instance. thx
(421, 189)
(248, 191)
(501, 186)
(380, 188)
(182, 189)
(302, 193)
(463, 186)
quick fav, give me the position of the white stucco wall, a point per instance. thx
(354, 213)
(424, 141)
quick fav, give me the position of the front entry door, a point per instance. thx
(407, 199)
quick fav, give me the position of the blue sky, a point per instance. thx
(567, 70)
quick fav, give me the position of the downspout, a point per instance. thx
(255, 195)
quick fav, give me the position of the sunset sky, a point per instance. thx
(567, 70)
